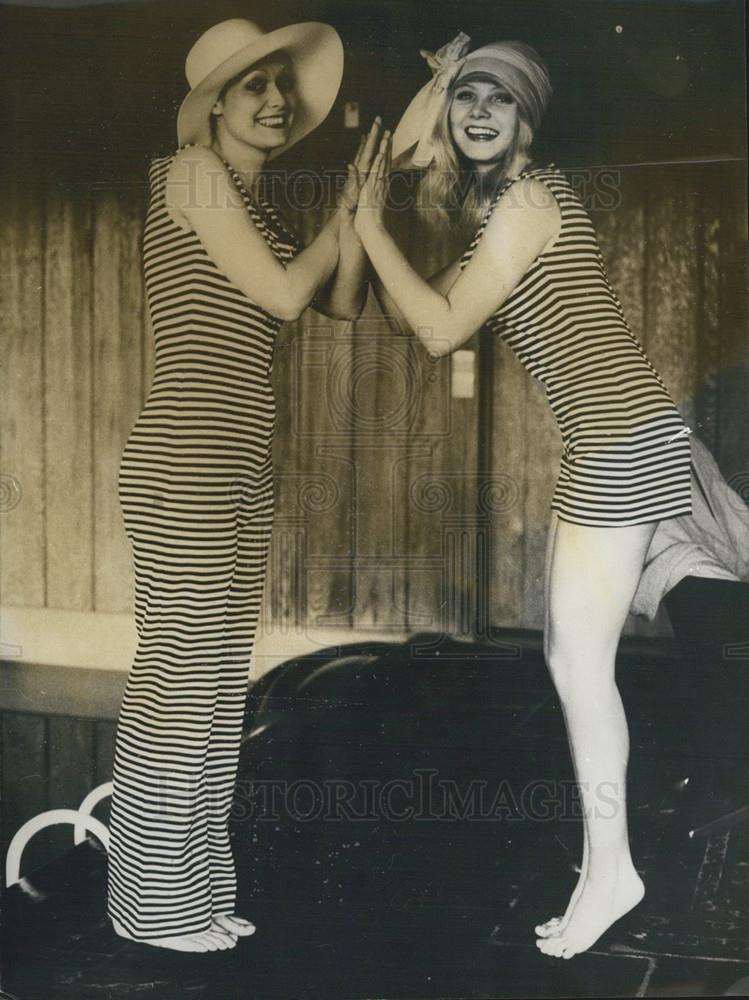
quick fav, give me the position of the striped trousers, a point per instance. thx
(200, 551)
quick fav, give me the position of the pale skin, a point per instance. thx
(607, 562)
(202, 196)
(592, 573)
(252, 118)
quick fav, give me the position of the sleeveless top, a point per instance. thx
(211, 404)
(626, 457)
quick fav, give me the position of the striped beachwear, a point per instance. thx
(626, 455)
(196, 491)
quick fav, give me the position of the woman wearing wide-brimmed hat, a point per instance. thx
(222, 272)
(533, 274)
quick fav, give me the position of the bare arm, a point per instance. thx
(201, 191)
(344, 295)
(441, 281)
(516, 234)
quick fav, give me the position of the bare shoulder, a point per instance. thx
(529, 194)
(198, 178)
(196, 157)
(192, 166)
(527, 210)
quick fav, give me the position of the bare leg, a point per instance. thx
(593, 575)
(555, 924)
(215, 939)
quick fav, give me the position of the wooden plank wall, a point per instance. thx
(23, 556)
(77, 367)
(386, 515)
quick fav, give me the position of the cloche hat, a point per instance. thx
(519, 68)
(516, 65)
(223, 51)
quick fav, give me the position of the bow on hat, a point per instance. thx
(420, 118)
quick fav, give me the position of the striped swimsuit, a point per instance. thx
(626, 455)
(196, 492)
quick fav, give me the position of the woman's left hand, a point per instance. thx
(373, 195)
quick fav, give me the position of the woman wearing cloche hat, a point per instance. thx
(222, 272)
(532, 273)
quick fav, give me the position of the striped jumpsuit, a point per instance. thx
(196, 491)
(626, 455)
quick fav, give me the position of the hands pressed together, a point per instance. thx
(364, 193)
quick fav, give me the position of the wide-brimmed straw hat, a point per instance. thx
(222, 52)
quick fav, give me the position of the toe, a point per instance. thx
(234, 925)
(222, 931)
(243, 927)
(556, 947)
(206, 943)
(550, 927)
(191, 942)
(218, 942)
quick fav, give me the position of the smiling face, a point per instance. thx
(483, 119)
(257, 107)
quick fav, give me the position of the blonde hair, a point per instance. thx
(453, 196)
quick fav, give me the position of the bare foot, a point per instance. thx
(200, 941)
(557, 924)
(601, 903)
(554, 924)
(231, 923)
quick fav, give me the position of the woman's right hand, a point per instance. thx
(373, 194)
(358, 169)
(344, 297)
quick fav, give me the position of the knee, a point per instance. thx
(579, 675)
(561, 666)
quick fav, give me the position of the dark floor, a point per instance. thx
(403, 820)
